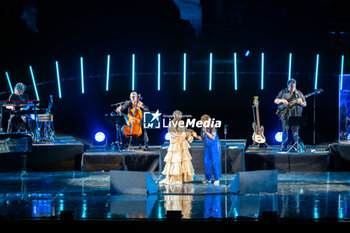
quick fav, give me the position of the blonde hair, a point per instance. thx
(133, 94)
(205, 117)
(177, 113)
(20, 86)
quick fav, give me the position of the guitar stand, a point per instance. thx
(260, 145)
(297, 146)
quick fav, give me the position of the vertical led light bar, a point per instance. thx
(158, 75)
(82, 75)
(9, 81)
(133, 73)
(210, 70)
(58, 80)
(184, 72)
(235, 69)
(290, 66)
(316, 71)
(341, 72)
(34, 83)
(107, 73)
(262, 72)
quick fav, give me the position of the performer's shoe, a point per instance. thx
(216, 182)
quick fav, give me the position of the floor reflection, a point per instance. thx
(46, 194)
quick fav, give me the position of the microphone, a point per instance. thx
(225, 130)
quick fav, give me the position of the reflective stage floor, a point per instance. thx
(86, 195)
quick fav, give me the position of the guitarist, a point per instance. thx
(284, 97)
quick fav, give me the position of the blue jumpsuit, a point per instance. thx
(212, 156)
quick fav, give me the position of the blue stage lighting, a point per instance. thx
(278, 136)
(82, 75)
(262, 71)
(184, 72)
(100, 137)
(316, 71)
(158, 75)
(34, 83)
(167, 136)
(58, 81)
(107, 74)
(235, 69)
(247, 53)
(133, 73)
(341, 72)
(9, 81)
(210, 70)
(290, 66)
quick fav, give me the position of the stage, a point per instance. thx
(68, 179)
(85, 196)
(69, 154)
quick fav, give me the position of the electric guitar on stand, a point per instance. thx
(258, 135)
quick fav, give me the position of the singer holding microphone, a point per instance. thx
(212, 151)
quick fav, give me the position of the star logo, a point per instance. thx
(152, 120)
(156, 115)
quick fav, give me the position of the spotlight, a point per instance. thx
(167, 136)
(278, 136)
(247, 53)
(100, 138)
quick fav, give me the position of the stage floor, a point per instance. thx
(300, 196)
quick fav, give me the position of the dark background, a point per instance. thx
(38, 33)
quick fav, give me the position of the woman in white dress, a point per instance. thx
(178, 166)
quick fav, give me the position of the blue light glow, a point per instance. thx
(290, 66)
(34, 83)
(158, 75)
(167, 136)
(133, 73)
(235, 69)
(100, 137)
(82, 75)
(210, 70)
(9, 81)
(278, 136)
(262, 71)
(184, 72)
(58, 80)
(316, 72)
(341, 72)
(247, 53)
(107, 74)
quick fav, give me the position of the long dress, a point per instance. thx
(178, 167)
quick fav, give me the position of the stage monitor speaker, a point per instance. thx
(132, 182)
(264, 181)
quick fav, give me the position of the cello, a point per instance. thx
(133, 127)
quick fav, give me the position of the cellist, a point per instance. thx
(129, 105)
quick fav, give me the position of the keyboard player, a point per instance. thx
(18, 122)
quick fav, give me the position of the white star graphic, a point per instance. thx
(155, 115)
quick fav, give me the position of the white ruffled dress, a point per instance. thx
(178, 165)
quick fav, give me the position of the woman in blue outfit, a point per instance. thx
(212, 150)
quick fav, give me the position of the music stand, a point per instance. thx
(298, 145)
